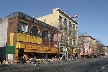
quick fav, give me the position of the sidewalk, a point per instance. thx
(44, 63)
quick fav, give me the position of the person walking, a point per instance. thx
(21, 60)
(34, 60)
(46, 58)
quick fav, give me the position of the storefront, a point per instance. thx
(31, 45)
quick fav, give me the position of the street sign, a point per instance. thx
(10, 49)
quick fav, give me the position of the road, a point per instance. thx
(87, 65)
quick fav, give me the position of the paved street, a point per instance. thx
(87, 65)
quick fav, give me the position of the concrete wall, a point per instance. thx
(3, 31)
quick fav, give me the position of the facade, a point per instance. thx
(84, 44)
(27, 34)
(90, 46)
(87, 45)
(106, 50)
(66, 25)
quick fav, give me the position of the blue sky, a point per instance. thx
(92, 14)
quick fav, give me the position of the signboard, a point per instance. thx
(57, 37)
(10, 49)
(28, 38)
(10, 56)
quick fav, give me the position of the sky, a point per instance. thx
(92, 14)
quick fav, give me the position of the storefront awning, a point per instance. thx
(39, 51)
(28, 47)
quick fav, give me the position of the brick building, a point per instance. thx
(27, 34)
(87, 45)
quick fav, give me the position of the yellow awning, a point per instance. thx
(38, 51)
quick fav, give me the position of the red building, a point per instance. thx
(29, 35)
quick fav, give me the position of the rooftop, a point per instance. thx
(27, 17)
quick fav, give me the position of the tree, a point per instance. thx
(81, 41)
(68, 32)
(100, 46)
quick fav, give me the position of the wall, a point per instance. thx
(15, 26)
(87, 41)
(51, 19)
(3, 31)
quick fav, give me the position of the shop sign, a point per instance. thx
(74, 51)
(40, 48)
(10, 49)
(28, 38)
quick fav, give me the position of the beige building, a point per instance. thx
(67, 25)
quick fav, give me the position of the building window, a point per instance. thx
(34, 30)
(60, 19)
(52, 36)
(76, 27)
(74, 42)
(70, 41)
(65, 22)
(23, 27)
(45, 34)
(73, 26)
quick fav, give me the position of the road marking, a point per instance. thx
(102, 67)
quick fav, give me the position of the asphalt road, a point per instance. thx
(87, 65)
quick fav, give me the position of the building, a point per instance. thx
(100, 48)
(86, 45)
(66, 25)
(28, 35)
(105, 50)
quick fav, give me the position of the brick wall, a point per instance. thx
(14, 23)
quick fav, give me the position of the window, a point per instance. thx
(45, 34)
(70, 25)
(70, 41)
(76, 27)
(34, 30)
(73, 26)
(52, 37)
(65, 22)
(60, 19)
(23, 27)
(74, 42)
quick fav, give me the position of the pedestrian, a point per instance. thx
(34, 60)
(21, 59)
(46, 58)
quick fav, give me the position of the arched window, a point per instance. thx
(34, 30)
(52, 36)
(45, 34)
